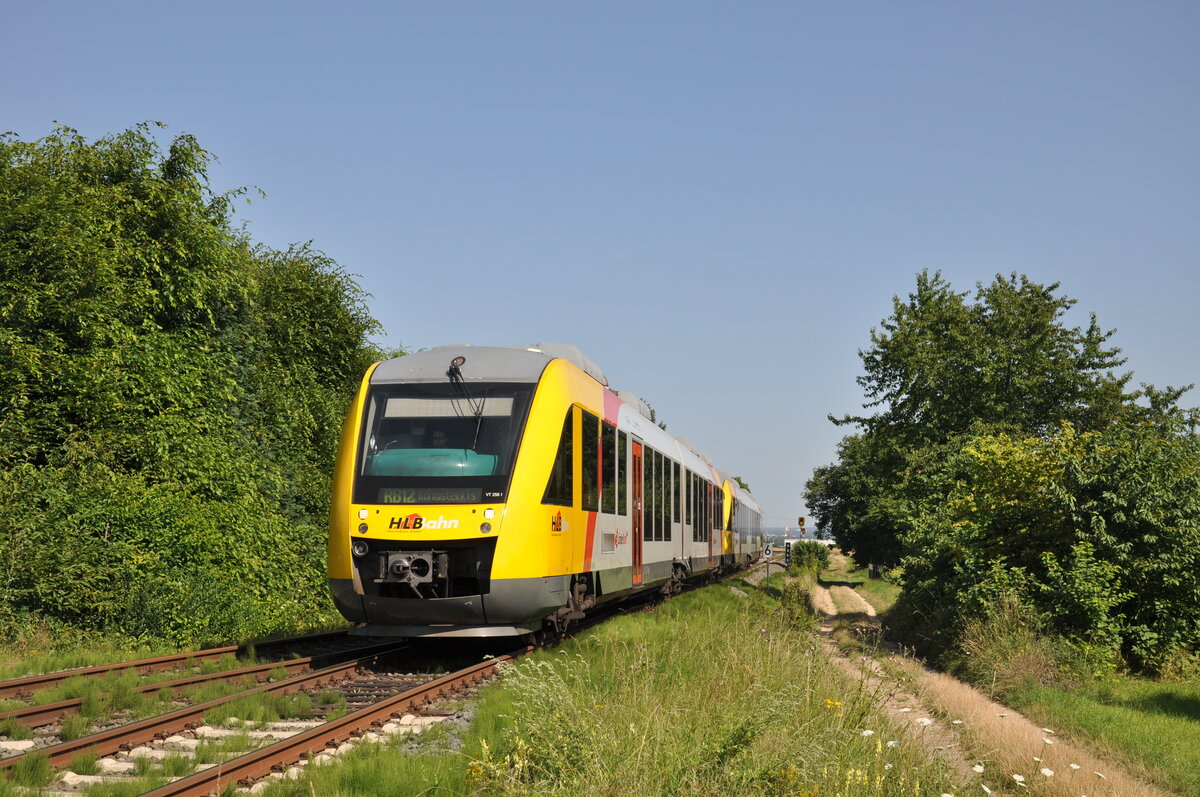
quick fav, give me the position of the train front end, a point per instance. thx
(422, 493)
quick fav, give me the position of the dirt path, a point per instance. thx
(988, 743)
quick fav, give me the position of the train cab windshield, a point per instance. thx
(439, 443)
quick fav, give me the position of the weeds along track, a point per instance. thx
(113, 736)
(202, 746)
(45, 715)
(356, 698)
(310, 644)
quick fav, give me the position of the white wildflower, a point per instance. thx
(893, 744)
(986, 790)
(1047, 771)
(924, 721)
(1099, 775)
(1047, 740)
(867, 733)
(905, 710)
(1047, 730)
(956, 722)
(978, 768)
(1075, 766)
(1019, 778)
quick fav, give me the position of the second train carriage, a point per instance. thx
(494, 491)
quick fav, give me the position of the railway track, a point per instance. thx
(37, 716)
(370, 689)
(376, 696)
(25, 687)
(275, 758)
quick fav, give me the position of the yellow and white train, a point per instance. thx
(497, 491)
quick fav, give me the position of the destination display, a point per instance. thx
(431, 495)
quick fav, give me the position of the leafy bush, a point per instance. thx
(810, 555)
(173, 397)
(1098, 533)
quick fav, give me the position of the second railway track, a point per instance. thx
(372, 690)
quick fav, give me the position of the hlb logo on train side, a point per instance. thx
(557, 524)
(415, 522)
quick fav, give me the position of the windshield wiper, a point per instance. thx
(456, 379)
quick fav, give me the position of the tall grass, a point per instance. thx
(710, 694)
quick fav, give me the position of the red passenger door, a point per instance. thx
(637, 513)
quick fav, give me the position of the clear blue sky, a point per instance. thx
(715, 201)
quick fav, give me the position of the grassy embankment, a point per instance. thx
(1151, 727)
(712, 693)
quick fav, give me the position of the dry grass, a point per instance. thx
(1008, 744)
(822, 601)
(850, 602)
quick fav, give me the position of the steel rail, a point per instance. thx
(36, 716)
(128, 736)
(273, 758)
(21, 687)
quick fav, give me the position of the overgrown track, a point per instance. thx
(38, 716)
(371, 688)
(262, 762)
(23, 687)
(127, 736)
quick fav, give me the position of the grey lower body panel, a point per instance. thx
(510, 607)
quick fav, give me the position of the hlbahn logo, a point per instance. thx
(415, 522)
(556, 522)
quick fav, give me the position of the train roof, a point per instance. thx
(484, 363)
(526, 364)
(744, 496)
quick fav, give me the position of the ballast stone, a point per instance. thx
(183, 743)
(72, 782)
(115, 766)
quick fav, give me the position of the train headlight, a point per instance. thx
(362, 528)
(360, 548)
(485, 527)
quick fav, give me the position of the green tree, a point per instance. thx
(1007, 461)
(170, 396)
(940, 369)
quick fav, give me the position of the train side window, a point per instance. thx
(658, 496)
(648, 494)
(707, 500)
(562, 475)
(678, 491)
(664, 507)
(685, 494)
(590, 432)
(608, 455)
(656, 467)
(622, 485)
(695, 508)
